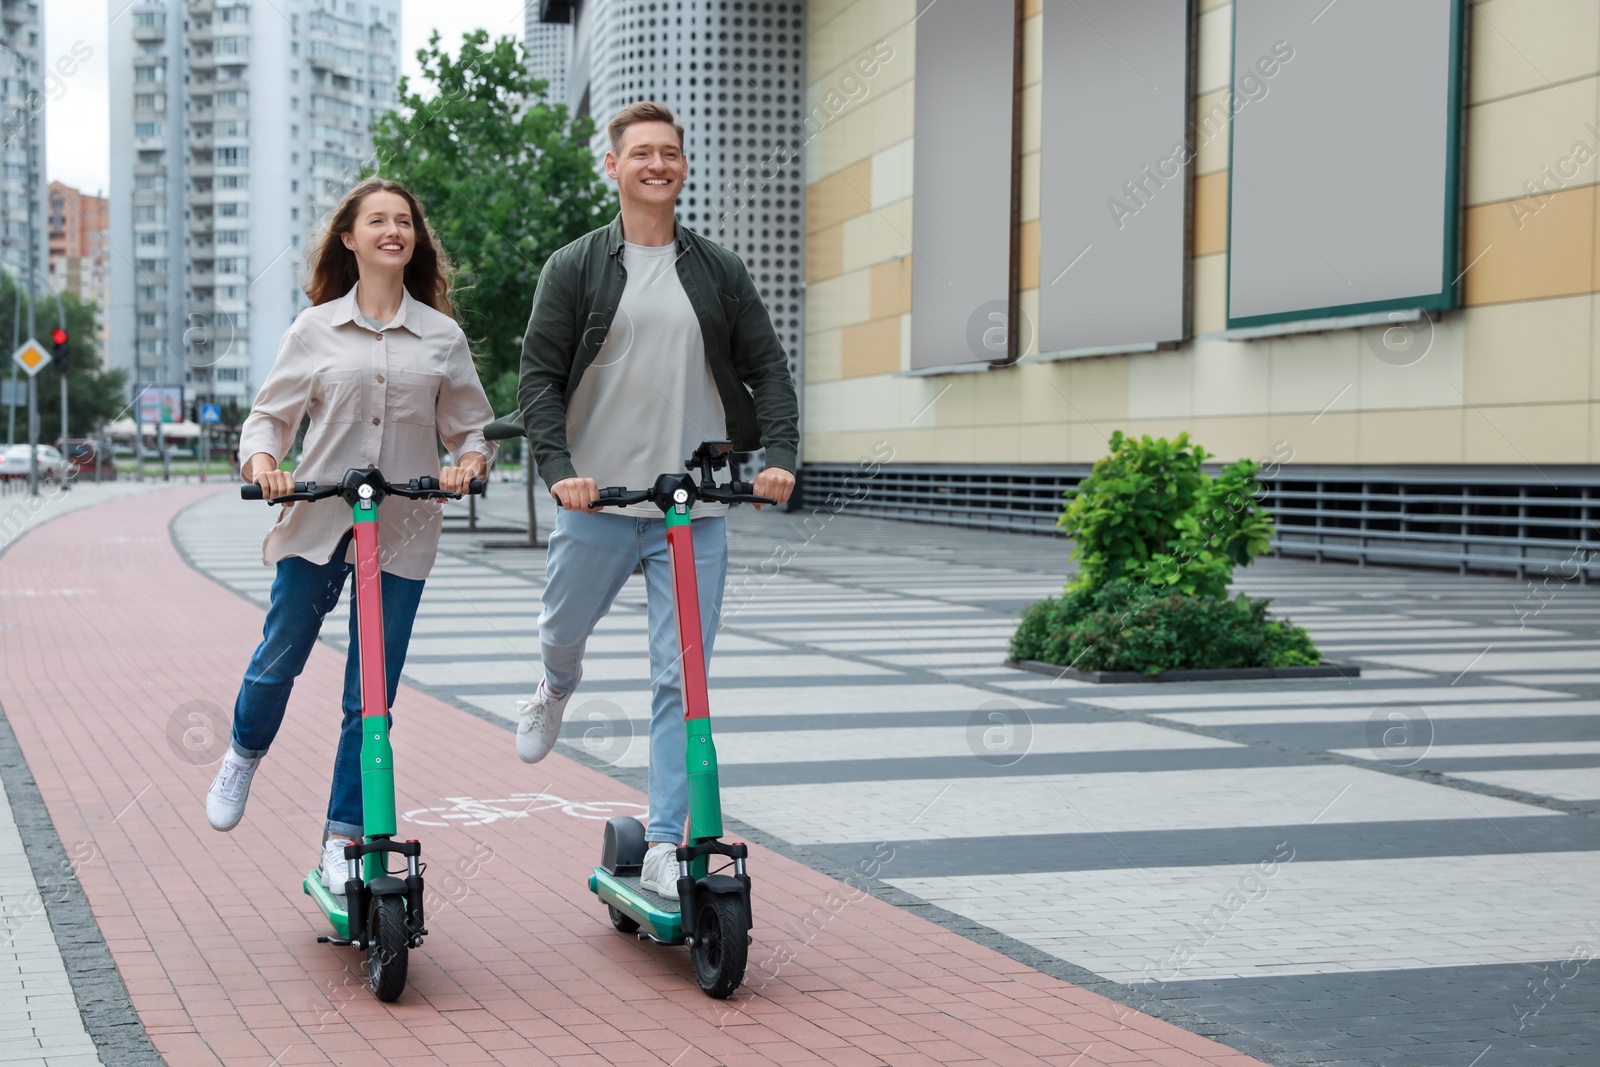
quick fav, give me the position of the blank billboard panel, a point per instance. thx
(961, 174)
(1344, 177)
(1114, 171)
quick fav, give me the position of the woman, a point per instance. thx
(383, 372)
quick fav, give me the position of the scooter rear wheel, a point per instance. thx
(387, 947)
(721, 943)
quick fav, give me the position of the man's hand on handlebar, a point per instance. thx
(576, 494)
(774, 482)
(273, 482)
(457, 479)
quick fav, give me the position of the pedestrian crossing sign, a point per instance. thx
(31, 357)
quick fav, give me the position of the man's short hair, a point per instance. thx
(643, 111)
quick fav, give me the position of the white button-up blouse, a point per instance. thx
(376, 398)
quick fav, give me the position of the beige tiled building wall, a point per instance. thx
(1513, 377)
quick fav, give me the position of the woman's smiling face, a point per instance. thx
(383, 236)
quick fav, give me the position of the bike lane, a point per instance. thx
(120, 664)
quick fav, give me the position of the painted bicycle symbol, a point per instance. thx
(470, 811)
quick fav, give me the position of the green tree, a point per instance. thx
(95, 395)
(505, 178)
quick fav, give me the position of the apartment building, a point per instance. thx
(23, 93)
(235, 128)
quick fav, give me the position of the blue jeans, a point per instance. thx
(589, 559)
(302, 595)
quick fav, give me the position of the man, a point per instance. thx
(645, 340)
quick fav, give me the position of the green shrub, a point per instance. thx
(1130, 626)
(1148, 513)
(1127, 510)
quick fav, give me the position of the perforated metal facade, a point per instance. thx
(547, 54)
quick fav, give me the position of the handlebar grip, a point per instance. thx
(477, 487)
(252, 491)
(620, 496)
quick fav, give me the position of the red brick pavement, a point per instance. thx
(106, 632)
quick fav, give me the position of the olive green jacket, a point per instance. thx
(573, 305)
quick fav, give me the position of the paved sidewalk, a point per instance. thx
(1314, 872)
(115, 688)
(40, 1021)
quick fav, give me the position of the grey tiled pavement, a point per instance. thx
(1397, 870)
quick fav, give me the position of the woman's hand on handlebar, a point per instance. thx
(576, 494)
(774, 483)
(459, 479)
(273, 482)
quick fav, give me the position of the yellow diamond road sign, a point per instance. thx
(31, 356)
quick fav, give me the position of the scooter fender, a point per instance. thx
(387, 886)
(719, 884)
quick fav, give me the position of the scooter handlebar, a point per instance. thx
(302, 491)
(736, 493)
(418, 489)
(618, 496)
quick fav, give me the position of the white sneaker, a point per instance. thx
(225, 801)
(540, 723)
(335, 868)
(660, 871)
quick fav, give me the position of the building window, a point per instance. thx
(149, 74)
(150, 101)
(147, 129)
(232, 156)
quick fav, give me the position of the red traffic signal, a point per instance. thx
(58, 336)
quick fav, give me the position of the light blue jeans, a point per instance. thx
(589, 559)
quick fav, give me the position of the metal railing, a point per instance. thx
(1516, 520)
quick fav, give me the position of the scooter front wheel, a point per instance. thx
(387, 947)
(721, 943)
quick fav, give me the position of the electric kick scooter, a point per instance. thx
(377, 912)
(712, 913)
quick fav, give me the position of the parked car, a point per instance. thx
(87, 458)
(14, 462)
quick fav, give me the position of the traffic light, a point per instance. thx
(58, 337)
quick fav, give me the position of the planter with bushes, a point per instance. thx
(1157, 540)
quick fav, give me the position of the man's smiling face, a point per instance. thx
(650, 166)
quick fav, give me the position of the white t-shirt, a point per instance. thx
(648, 399)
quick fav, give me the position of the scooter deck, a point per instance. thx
(655, 914)
(334, 907)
